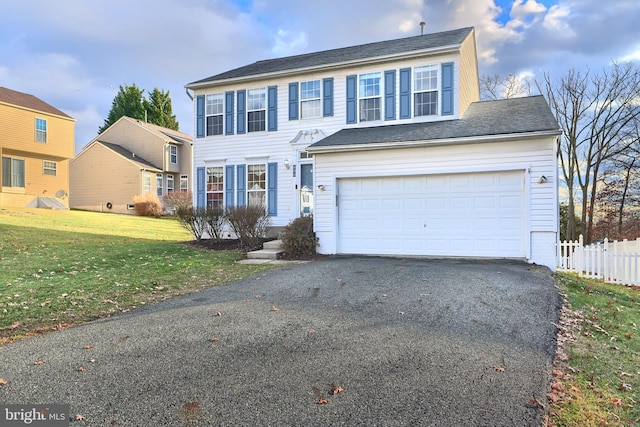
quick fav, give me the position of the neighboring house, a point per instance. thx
(389, 148)
(36, 143)
(130, 158)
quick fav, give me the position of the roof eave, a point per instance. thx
(434, 142)
(441, 50)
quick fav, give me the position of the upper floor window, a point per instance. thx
(310, 105)
(41, 130)
(257, 185)
(369, 96)
(256, 109)
(215, 114)
(173, 154)
(425, 97)
(49, 168)
(215, 187)
(184, 182)
(12, 172)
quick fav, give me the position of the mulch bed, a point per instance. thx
(234, 245)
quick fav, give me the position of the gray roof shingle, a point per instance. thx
(26, 100)
(352, 53)
(485, 118)
(129, 155)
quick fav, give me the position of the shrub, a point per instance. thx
(194, 220)
(214, 220)
(147, 205)
(177, 199)
(249, 223)
(298, 239)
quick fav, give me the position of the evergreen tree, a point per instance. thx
(127, 102)
(159, 111)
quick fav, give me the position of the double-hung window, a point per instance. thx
(215, 114)
(215, 187)
(369, 96)
(12, 172)
(257, 185)
(159, 182)
(173, 154)
(184, 182)
(310, 105)
(170, 187)
(41, 130)
(425, 97)
(49, 168)
(256, 110)
(146, 183)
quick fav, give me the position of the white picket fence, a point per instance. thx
(614, 262)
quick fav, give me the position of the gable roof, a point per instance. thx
(482, 119)
(159, 131)
(344, 55)
(25, 100)
(119, 149)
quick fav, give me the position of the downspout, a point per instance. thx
(186, 90)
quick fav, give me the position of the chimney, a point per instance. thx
(422, 25)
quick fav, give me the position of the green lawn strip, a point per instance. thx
(51, 279)
(602, 384)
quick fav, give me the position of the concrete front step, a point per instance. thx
(270, 250)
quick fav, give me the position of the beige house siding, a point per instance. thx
(469, 85)
(17, 131)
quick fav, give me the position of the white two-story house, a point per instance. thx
(388, 147)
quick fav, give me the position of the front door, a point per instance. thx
(306, 189)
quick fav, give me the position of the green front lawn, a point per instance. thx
(59, 268)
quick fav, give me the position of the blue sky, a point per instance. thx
(74, 54)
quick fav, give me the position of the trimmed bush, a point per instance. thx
(298, 239)
(193, 220)
(214, 220)
(177, 199)
(249, 223)
(147, 205)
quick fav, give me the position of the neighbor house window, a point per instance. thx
(310, 99)
(170, 186)
(256, 185)
(146, 183)
(256, 109)
(214, 113)
(215, 187)
(425, 97)
(159, 182)
(173, 154)
(41, 130)
(369, 96)
(49, 168)
(12, 172)
(184, 182)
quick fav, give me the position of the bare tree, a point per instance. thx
(503, 87)
(597, 113)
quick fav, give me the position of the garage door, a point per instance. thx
(473, 214)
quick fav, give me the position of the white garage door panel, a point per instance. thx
(478, 214)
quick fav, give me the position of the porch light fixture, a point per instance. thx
(287, 164)
(321, 187)
(542, 179)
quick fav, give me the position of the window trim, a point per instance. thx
(13, 180)
(364, 97)
(214, 108)
(220, 186)
(40, 134)
(184, 179)
(52, 167)
(173, 154)
(263, 181)
(435, 91)
(170, 180)
(146, 182)
(317, 100)
(159, 188)
(250, 108)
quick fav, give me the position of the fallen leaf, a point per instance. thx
(337, 389)
(322, 401)
(311, 331)
(39, 362)
(535, 401)
(81, 368)
(87, 347)
(15, 325)
(553, 397)
(498, 368)
(274, 308)
(214, 339)
(629, 335)
(3, 382)
(616, 402)
(79, 417)
(557, 373)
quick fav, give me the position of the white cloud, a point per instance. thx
(555, 20)
(288, 42)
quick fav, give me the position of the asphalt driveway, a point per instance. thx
(410, 342)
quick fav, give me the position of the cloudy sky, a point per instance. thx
(74, 54)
